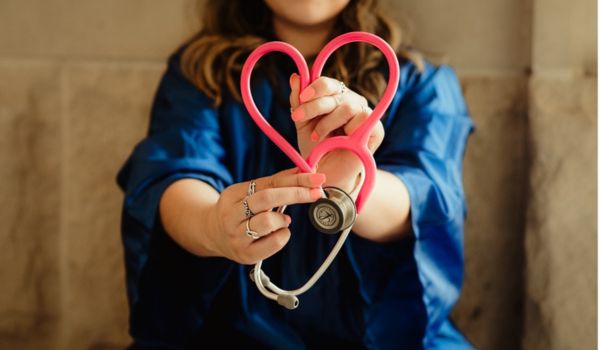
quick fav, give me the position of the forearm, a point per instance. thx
(185, 209)
(386, 214)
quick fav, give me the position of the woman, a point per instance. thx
(184, 220)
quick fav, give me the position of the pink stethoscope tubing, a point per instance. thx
(357, 141)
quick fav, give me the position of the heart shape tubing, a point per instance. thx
(357, 141)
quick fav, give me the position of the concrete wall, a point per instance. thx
(561, 298)
(76, 83)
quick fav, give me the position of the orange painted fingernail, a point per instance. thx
(306, 94)
(297, 114)
(314, 137)
(292, 78)
(317, 179)
(315, 193)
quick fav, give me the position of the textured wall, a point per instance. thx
(76, 83)
(561, 300)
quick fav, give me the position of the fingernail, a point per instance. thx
(370, 145)
(288, 219)
(314, 137)
(297, 114)
(306, 94)
(292, 77)
(315, 193)
(317, 179)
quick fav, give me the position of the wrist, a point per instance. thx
(208, 220)
(343, 174)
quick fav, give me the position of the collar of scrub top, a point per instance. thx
(356, 142)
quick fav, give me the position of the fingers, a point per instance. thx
(287, 178)
(315, 108)
(277, 197)
(349, 102)
(284, 178)
(265, 247)
(324, 90)
(266, 222)
(295, 90)
(376, 137)
(323, 86)
(283, 188)
(247, 251)
(339, 117)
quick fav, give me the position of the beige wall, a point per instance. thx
(76, 83)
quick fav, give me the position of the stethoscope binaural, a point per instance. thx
(336, 211)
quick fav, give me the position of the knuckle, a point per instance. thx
(280, 240)
(332, 84)
(321, 129)
(315, 107)
(267, 196)
(269, 221)
(301, 194)
(271, 181)
(346, 109)
(322, 83)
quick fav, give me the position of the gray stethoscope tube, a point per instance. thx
(334, 213)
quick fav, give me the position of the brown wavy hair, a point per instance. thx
(212, 60)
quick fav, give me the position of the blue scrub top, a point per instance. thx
(383, 296)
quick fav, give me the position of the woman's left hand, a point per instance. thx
(327, 108)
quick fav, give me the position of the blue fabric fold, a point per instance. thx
(381, 296)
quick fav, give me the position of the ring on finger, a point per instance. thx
(247, 211)
(251, 188)
(249, 232)
(343, 88)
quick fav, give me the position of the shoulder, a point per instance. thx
(433, 87)
(177, 100)
(174, 78)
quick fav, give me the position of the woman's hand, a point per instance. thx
(326, 108)
(226, 235)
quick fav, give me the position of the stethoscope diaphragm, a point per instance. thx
(333, 213)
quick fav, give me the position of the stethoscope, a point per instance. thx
(337, 211)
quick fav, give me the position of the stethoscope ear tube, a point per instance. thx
(288, 298)
(337, 212)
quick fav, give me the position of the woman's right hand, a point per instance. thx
(226, 236)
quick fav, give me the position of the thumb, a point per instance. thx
(295, 93)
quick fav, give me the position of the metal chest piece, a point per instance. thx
(334, 213)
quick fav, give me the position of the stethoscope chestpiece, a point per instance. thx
(333, 213)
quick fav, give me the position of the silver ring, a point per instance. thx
(343, 88)
(247, 212)
(251, 188)
(249, 232)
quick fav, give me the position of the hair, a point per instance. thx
(212, 59)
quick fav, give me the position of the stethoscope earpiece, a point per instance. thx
(334, 213)
(290, 302)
